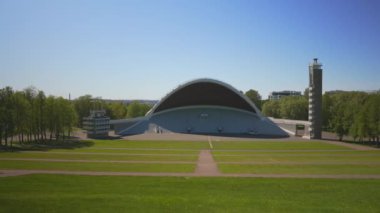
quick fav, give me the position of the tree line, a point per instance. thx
(290, 107)
(355, 114)
(29, 115)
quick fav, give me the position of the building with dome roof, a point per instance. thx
(202, 106)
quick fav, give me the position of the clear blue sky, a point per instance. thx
(135, 49)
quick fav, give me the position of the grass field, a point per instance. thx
(74, 193)
(149, 144)
(98, 166)
(275, 145)
(64, 193)
(105, 156)
(301, 169)
(299, 157)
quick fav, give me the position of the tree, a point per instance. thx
(294, 107)
(83, 105)
(69, 117)
(30, 113)
(326, 111)
(371, 111)
(3, 113)
(117, 110)
(63, 117)
(136, 109)
(30, 95)
(271, 108)
(7, 118)
(50, 116)
(306, 93)
(40, 117)
(22, 109)
(337, 119)
(345, 116)
(255, 97)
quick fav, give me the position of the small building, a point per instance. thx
(277, 95)
(97, 124)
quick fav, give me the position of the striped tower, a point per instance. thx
(315, 99)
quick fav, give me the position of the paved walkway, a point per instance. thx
(206, 166)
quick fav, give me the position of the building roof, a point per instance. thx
(202, 92)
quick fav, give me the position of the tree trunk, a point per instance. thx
(12, 144)
(6, 138)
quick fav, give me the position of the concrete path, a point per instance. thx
(206, 166)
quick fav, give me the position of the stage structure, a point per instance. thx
(202, 106)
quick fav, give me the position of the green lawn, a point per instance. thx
(116, 144)
(309, 152)
(151, 144)
(65, 193)
(127, 150)
(299, 158)
(71, 193)
(275, 145)
(107, 167)
(361, 169)
(103, 156)
(266, 157)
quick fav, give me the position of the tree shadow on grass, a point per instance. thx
(329, 136)
(373, 144)
(48, 145)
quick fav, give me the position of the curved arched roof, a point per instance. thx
(205, 92)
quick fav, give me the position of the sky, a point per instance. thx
(143, 49)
